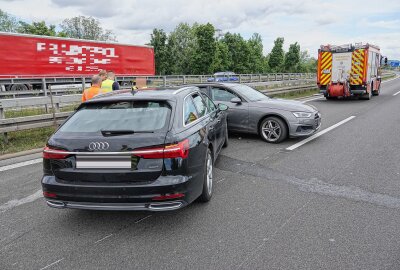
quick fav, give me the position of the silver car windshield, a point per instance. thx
(249, 93)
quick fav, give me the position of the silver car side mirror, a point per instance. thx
(236, 100)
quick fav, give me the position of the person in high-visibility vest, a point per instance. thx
(110, 84)
(94, 90)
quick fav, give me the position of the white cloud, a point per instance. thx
(310, 23)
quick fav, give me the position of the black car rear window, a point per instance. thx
(122, 115)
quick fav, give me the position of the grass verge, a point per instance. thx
(36, 111)
(388, 77)
(297, 94)
(25, 140)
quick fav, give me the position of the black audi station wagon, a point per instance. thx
(135, 150)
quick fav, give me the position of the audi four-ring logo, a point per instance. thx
(99, 146)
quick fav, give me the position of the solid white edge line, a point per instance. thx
(322, 132)
(20, 164)
(395, 94)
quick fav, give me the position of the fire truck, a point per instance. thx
(349, 70)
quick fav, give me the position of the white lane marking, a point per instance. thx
(395, 94)
(20, 164)
(140, 220)
(304, 101)
(322, 132)
(14, 203)
(104, 238)
(50, 265)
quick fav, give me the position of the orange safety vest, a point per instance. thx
(91, 92)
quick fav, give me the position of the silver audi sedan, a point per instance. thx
(250, 111)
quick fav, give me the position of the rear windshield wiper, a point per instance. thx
(117, 132)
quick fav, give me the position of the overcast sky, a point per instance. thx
(309, 22)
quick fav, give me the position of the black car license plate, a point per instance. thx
(103, 162)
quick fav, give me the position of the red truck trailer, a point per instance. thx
(349, 70)
(33, 57)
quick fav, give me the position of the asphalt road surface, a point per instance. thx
(330, 203)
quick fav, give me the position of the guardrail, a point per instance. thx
(151, 81)
(57, 117)
(28, 122)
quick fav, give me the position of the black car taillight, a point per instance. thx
(179, 150)
(51, 153)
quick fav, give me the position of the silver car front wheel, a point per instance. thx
(273, 130)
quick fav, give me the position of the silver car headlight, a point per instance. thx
(302, 114)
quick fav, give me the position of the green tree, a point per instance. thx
(37, 28)
(292, 58)
(159, 42)
(276, 57)
(222, 58)
(265, 66)
(307, 64)
(181, 46)
(239, 51)
(205, 49)
(82, 27)
(8, 23)
(256, 56)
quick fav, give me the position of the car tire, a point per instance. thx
(208, 178)
(367, 96)
(226, 141)
(273, 130)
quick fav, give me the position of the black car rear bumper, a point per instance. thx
(124, 196)
(151, 206)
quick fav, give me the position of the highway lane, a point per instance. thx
(332, 203)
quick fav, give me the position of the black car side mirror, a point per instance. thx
(222, 107)
(236, 100)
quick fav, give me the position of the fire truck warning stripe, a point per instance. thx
(326, 66)
(327, 63)
(358, 58)
(326, 80)
(326, 60)
(357, 70)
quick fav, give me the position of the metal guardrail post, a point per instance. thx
(240, 78)
(84, 83)
(259, 77)
(52, 106)
(44, 88)
(164, 81)
(251, 77)
(3, 116)
(184, 79)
